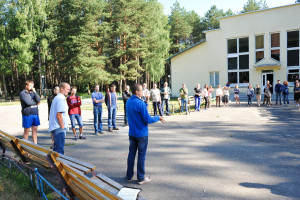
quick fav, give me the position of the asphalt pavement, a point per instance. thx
(234, 152)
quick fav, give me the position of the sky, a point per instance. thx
(202, 6)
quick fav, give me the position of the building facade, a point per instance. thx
(247, 48)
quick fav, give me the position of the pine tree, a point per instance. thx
(253, 5)
(180, 28)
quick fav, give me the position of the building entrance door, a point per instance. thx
(268, 76)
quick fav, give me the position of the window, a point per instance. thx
(275, 46)
(214, 79)
(238, 60)
(293, 39)
(293, 49)
(293, 58)
(293, 75)
(232, 46)
(259, 47)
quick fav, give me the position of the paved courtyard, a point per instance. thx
(234, 152)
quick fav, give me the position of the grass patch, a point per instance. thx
(69, 144)
(15, 185)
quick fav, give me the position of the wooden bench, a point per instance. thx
(191, 102)
(71, 172)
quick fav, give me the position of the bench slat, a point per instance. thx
(109, 181)
(85, 170)
(105, 186)
(92, 167)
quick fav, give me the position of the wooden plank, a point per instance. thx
(34, 146)
(86, 188)
(81, 194)
(18, 148)
(34, 152)
(7, 145)
(83, 169)
(7, 135)
(92, 167)
(89, 182)
(39, 162)
(109, 181)
(103, 185)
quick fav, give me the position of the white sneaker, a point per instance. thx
(147, 179)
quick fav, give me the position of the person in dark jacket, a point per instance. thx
(126, 95)
(30, 118)
(51, 97)
(49, 102)
(278, 91)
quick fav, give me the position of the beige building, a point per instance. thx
(247, 48)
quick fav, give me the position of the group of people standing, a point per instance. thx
(60, 105)
(222, 94)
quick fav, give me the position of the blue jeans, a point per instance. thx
(286, 98)
(278, 94)
(112, 112)
(197, 103)
(140, 144)
(59, 140)
(98, 125)
(184, 104)
(249, 99)
(73, 118)
(165, 101)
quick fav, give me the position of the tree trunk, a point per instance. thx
(4, 86)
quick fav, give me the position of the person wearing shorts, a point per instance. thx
(30, 112)
(74, 103)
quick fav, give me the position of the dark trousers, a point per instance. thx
(165, 102)
(137, 144)
(278, 95)
(125, 114)
(218, 100)
(157, 105)
(205, 98)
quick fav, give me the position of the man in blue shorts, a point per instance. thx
(58, 120)
(98, 99)
(30, 112)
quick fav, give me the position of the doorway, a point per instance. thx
(267, 76)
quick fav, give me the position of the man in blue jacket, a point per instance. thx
(278, 91)
(138, 120)
(30, 112)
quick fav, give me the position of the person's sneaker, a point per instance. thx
(147, 179)
(168, 114)
(82, 137)
(110, 130)
(75, 137)
(116, 128)
(101, 133)
(129, 180)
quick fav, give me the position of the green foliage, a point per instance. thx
(253, 5)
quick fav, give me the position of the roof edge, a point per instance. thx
(176, 54)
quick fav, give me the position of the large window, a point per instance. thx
(293, 75)
(214, 78)
(238, 60)
(259, 47)
(293, 48)
(275, 46)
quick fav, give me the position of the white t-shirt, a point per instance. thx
(219, 92)
(155, 95)
(59, 104)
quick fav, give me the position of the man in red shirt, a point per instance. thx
(74, 103)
